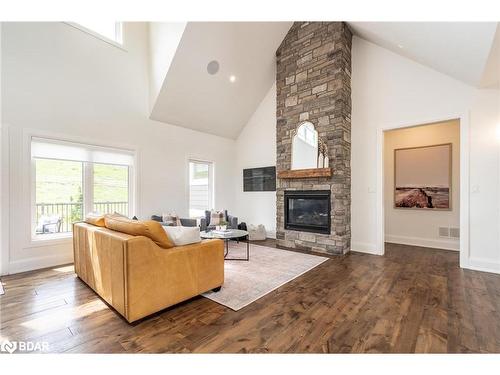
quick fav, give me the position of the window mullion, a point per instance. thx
(131, 192)
(211, 189)
(88, 188)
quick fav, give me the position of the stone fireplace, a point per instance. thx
(313, 80)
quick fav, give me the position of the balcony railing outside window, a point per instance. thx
(59, 217)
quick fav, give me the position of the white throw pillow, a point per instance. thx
(171, 219)
(183, 235)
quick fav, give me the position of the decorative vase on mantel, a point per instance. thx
(320, 160)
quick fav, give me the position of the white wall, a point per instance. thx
(484, 181)
(421, 227)
(389, 90)
(4, 199)
(3, 182)
(256, 147)
(58, 80)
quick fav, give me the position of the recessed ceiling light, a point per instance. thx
(400, 46)
(232, 78)
(213, 67)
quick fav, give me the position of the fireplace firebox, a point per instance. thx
(308, 211)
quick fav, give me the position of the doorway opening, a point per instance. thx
(421, 185)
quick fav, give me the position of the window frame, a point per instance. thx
(118, 42)
(87, 188)
(211, 183)
(49, 236)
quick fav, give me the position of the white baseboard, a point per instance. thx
(365, 247)
(424, 242)
(30, 264)
(484, 265)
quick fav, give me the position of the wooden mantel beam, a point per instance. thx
(306, 173)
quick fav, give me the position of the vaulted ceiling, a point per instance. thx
(491, 74)
(218, 104)
(461, 50)
(186, 94)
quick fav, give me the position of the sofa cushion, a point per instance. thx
(183, 235)
(208, 216)
(157, 218)
(95, 219)
(149, 228)
(216, 217)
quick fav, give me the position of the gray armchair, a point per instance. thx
(205, 222)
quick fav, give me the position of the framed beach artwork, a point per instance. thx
(422, 177)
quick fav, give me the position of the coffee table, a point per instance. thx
(232, 234)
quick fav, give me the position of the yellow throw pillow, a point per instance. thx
(149, 228)
(95, 219)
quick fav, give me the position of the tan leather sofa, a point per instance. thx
(137, 276)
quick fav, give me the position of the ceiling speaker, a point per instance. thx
(213, 67)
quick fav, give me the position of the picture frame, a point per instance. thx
(423, 177)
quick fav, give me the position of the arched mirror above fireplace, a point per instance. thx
(309, 154)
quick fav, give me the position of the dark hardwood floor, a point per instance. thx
(410, 300)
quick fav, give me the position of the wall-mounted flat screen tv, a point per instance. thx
(259, 179)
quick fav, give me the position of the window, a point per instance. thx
(200, 188)
(110, 189)
(71, 180)
(59, 195)
(106, 29)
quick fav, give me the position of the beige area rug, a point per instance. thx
(267, 270)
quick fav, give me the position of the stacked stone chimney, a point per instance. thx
(313, 81)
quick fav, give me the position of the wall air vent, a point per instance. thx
(449, 232)
(444, 232)
(455, 232)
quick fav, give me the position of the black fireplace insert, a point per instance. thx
(308, 210)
